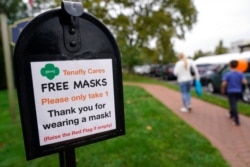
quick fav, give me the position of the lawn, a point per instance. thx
(155, 137)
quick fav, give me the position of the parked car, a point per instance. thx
(159, 71)
(205, 70)
(214, 82)
(154, 70)
(168, 72)
(142, 69)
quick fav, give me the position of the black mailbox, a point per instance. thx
(69, 82)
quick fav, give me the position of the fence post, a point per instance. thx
(8, 65)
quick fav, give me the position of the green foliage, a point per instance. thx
(14, 9)
(137, 23)
(198, 54)
(41, 5)
(220, 49)
(131, 57)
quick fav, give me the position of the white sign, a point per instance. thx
(73, 99)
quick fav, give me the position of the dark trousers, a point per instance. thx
(233, 99)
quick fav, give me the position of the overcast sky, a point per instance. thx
(227, 20)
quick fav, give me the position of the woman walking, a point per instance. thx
(185, 80)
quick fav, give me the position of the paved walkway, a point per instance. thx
(211, 121)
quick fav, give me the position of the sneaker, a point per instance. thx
(189, 107)
(236, 123)
(183, 109)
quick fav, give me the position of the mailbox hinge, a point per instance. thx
(73, 7)
(70, 22)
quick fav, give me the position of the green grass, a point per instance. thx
(211, 98)
(155, 137)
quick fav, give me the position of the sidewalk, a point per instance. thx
(212, 121)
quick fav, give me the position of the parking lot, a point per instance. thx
(210, 76)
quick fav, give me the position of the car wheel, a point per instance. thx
(210, 87)
(246, 96)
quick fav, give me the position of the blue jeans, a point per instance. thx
(185, 92)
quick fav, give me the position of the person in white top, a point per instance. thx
(182, 70)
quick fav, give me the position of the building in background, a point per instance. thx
(240, 46)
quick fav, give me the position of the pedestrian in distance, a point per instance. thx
(232, 83)
(182, 71)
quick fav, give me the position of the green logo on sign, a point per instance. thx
(50, 71)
